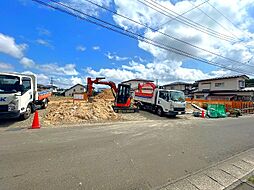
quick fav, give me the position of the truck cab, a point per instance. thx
(17, 95)
(170, 102)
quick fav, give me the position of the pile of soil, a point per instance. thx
(65, 111)
(106, 94)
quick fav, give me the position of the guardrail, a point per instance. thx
(245, 107)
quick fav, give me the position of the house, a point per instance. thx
(224, 88)
(78, 88)
(182, 86)
(134, 83)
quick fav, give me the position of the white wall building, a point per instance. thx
(224, 88)
(78, 88)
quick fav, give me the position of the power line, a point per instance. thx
(182, 14)
(222, 14)
(159, 8)
(215, 21)
(225, 17)
(131, 34)
(167, 35)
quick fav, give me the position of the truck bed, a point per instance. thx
(44, 94)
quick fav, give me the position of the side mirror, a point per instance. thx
(21, 89)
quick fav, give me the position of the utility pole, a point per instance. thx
(51, 81)
(157, 82)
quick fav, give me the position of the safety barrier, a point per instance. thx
(245, 107)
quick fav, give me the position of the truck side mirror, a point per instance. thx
(21, 89)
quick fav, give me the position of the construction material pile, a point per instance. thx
(67, 111)
(106, 94)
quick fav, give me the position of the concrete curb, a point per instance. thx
(224, 175)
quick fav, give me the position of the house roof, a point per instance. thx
(177, 83)
(137, 79)
(74, 87)
(227, 77)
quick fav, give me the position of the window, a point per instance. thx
(81, 89)
(219, 84)
(164, 95)
(177, 96)
(26, 84)
(9, 84)
(74, 90)
(242, 84)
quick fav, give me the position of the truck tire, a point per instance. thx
(27, 113)
(159, 111)
(140, 107)
(45, 104)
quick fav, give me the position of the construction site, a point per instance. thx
(127, 95)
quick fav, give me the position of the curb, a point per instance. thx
(224, 175)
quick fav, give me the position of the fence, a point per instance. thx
(245, 107)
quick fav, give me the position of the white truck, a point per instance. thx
(161, 101)
(19, 96)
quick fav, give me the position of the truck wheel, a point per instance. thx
(159, 111)
(27, 113)
(45, 104)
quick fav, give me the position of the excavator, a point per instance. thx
(121, 94)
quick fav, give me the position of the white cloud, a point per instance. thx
(5, 67)
(85, 6)
(55, 69)
(168, 66)
(51, 68)
(96, 48)
(9, 46)
(77, 80)
(41, 78)
(27, 63)
(43, 31)
(45, 43)
(81, 48)
(115, 57)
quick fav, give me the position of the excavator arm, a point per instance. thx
(90, 83)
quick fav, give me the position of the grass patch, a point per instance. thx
(251, 179)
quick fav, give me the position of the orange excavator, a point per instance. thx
(121, 94)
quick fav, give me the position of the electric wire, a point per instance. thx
(167, 12)
(167, 35)
(133, 35)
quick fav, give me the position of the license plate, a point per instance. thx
(179, 113)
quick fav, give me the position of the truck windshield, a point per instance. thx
(177, 96)
(9, 84)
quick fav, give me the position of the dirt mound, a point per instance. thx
(106, 94)
(66, 111)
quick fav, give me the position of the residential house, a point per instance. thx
(78, 88)
(182, 86)
(224, 88)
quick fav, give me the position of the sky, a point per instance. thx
(51, 44)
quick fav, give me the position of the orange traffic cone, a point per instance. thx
(36, 123)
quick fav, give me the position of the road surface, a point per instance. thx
(127, 155)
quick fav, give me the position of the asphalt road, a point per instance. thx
(127, 155)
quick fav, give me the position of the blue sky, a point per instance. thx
(53, 40)
(26, 22)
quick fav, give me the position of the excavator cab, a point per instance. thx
(123, 100)
(123, 95)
